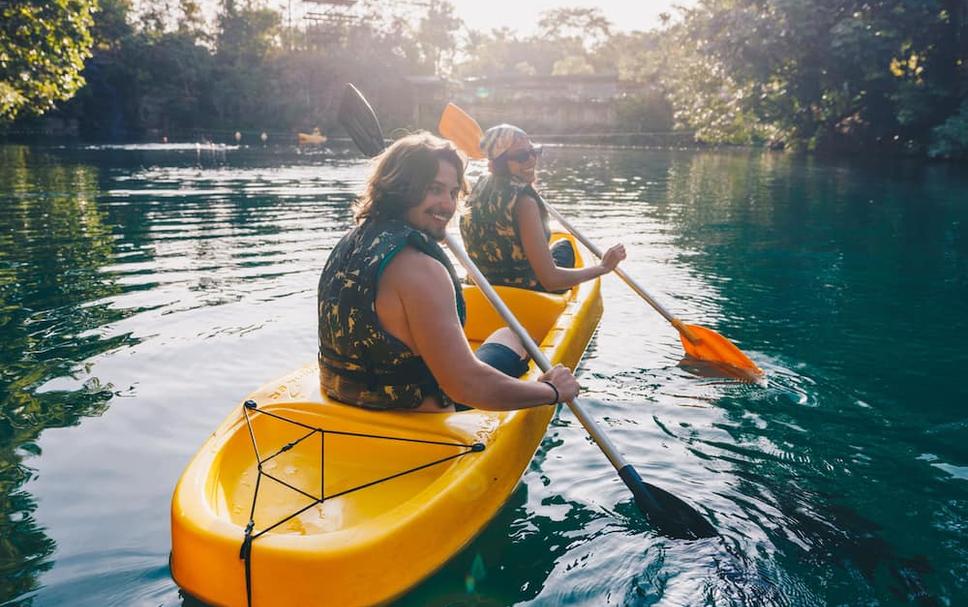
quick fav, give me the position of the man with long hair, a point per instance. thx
(390, 305)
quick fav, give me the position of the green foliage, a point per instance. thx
(502, 53)
(825, 74)
(635, 57)
(812, 74)
(43, 45)
(568, 44)
(142, 78)
(638, 57)
(111, 25)
(158, 72)
(706, 98)
(645, 112)
(242, 67)
(587, 25)
(572, 65)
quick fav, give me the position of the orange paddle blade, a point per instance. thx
(457, 125)
(713, 347)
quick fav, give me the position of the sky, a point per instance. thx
(523, 15)
(519, 15)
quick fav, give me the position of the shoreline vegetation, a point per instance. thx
(831, 77)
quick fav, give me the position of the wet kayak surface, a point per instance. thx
(144, 290)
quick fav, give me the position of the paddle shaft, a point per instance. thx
(667, 512)
(539, 358)
(621, 274)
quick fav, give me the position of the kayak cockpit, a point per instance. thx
(537, 312)
(326, 469)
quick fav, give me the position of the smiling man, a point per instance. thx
(390, 306)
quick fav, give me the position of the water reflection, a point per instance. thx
(55, 243)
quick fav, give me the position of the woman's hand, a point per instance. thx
(563, 381)
(612, 257)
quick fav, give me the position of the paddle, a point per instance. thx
(699, 342)
(669, 514)
(357, 117)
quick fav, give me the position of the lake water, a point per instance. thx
(145, 290)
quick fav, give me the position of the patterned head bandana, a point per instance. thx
(498, 139)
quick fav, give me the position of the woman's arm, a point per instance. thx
(551, 277)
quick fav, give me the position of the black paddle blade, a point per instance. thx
(357, 117)
(670, 515)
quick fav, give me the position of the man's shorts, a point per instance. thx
(563, 254)
(502, 358)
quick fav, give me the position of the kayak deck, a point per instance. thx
(342, 473)
(344, 519)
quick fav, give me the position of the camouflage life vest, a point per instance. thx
(359, 362)
(491, 234)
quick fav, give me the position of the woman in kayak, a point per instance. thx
(505, 229)
(390, 304)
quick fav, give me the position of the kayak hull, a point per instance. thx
(365, 546)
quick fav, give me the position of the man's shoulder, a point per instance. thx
(413, 271)
(375, 236)
(411, 257)
(415, 266)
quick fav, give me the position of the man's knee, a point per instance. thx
(506, 336)
(563, 253)
(504, 351)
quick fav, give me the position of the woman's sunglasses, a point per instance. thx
(525, 155)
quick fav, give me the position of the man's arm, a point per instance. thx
(425, 290)
(551, 277)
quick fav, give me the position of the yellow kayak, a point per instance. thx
(354, 507)
(311, 138)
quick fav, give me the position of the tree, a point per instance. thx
(705, 97)
(829, 73)
(438, 34)
(245, 38)
(191, 21)
(111, 27)
(502, 52)
(572, 65)
(586, 24)
(43, 45)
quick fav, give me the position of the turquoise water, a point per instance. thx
(145, 290)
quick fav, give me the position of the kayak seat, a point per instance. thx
(535, 310)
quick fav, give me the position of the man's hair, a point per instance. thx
(403, 174)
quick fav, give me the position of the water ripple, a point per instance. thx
(144, 290)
